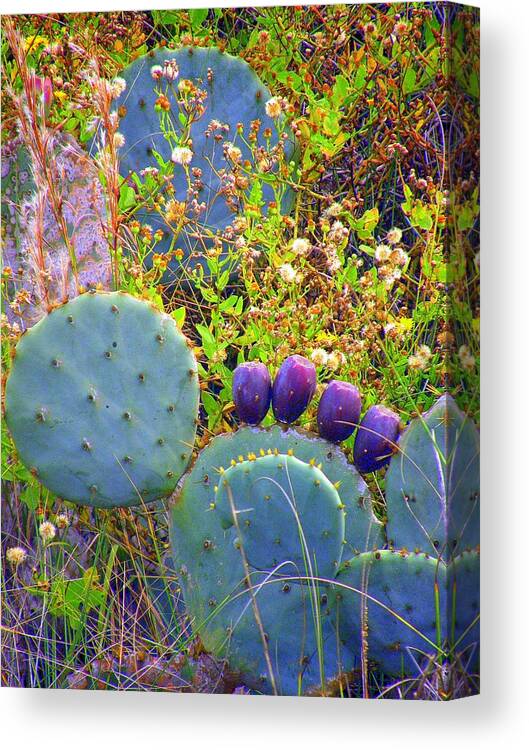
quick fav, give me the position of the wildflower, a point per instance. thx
(335, 360)
(152, 171)
(332, 211)
(287, 273)
(319, 357)
(400, 28)
(338, 233)
(181, 155)
(47, 531)
(273, 107)
(62, 521)
(15, 556)
(394, 236)
(399, 257)
(382, 253)
(233, 153)
(300, 246)
(117, 87)
(425, 352)
(156, 72)
(218, 356)
(162, 103)
(119, 140)
(170, 70)
(467, 359)
(174, 211)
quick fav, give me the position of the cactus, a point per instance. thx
(293, 389)
(102, 399)
(273, 602)
(339, 411)
(380, 595)
(432, 486)
(252, 391)
(234, 95)
(27, 217)
(413, 609)
(335, 514)
(375, 439)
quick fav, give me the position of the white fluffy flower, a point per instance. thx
(421, 358)
(119, 140)
(394, 236)
(273, 107)
(400, 256)
(287, 273)
(300, 246)
(117, 87)
(181, 155)
(170, 70)
(47, 531)
(319, 357)
(335, 360)
(15, 556)
(233, 153)
(157, 72)
(382, 253)
(467, 359)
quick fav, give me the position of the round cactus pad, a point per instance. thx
(234, 95)
(102, 400)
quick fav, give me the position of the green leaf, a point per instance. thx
(179, 316)
(127, 198)
(31, 496)
(197, 16)
(421, 217)
(340, 90)
(73, 599)
(409, 82)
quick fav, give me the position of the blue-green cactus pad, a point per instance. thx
(287, 511)
(234, 95)
(399, 601)
(432, 485)
(464, 593)
(301, 641)
(102, 401)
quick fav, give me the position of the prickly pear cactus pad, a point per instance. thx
(393, 606)
(265, 549)
(432, 487)
(234, 95)
(102, 400)
(41, 271)
(274, 498)
(464, 591)
(333, 506)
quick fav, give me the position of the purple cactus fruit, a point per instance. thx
(375, 440)
(339, 411)
(294, 387)
(252, 391)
